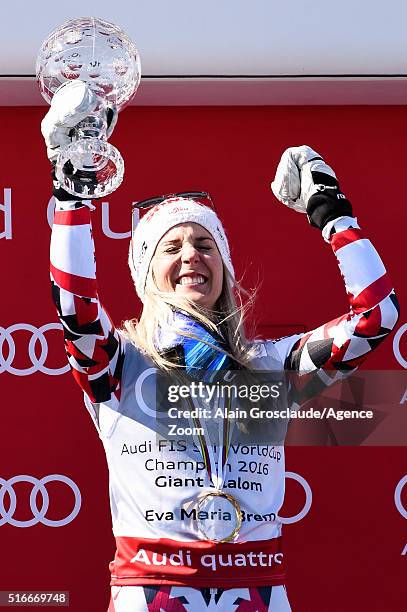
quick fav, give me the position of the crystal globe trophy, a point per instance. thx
(101, 56)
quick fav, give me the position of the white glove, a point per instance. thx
(72, 103)
(294, 184)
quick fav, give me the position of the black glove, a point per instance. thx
(328, 203)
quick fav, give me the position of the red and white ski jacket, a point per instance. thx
(152, 481)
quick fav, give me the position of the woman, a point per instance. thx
(169, 557)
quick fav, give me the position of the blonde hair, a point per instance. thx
(228, 318)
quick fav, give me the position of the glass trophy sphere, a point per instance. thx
(92, 50)
(99, 54)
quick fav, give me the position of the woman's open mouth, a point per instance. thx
(190, 280)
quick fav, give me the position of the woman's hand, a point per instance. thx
(306, 183)
(72, 103)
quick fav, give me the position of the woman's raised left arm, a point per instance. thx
(306, 183)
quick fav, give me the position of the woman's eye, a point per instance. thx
(205, 248)
(171, 250)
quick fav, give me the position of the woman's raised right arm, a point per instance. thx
(94, 347)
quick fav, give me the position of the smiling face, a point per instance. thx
(187, 261)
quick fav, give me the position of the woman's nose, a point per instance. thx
(189, 254)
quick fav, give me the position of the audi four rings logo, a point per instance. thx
(38, 363)
(39, 513)
(397, 496)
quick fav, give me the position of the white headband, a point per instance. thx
(158, 221)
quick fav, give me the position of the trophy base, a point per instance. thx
(90, 168)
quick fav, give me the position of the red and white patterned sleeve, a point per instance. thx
(344, 343)
(94, 348)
